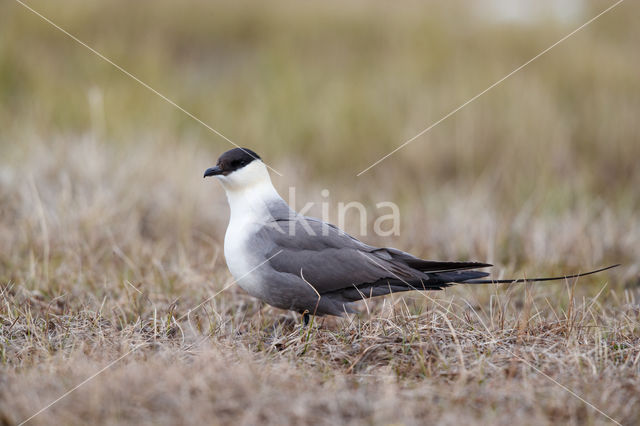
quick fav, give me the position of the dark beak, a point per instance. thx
(213, 171)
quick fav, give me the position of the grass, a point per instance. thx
(109, 238)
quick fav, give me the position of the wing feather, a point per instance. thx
(330, 260)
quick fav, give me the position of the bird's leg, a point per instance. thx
(305, 318)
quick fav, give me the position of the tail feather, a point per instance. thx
(431, 266)
(436, 281)
(520, 280)
(456, 276)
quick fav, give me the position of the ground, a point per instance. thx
(116, 305)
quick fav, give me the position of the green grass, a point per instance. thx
(109, 236)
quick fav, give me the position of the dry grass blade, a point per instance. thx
(111, 244)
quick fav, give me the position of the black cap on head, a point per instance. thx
(231, 161)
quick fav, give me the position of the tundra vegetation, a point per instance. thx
(111, 265)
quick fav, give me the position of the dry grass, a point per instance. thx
(109, 238)
(93, 272)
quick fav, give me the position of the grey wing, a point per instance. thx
(330, 260)
(324, 256)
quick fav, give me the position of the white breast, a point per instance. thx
(241, 260)
(249, 191)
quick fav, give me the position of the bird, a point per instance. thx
(303, 264)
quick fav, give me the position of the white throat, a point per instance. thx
(249, 191)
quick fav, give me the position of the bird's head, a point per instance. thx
(238, 169)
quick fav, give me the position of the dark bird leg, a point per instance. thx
(305, 318)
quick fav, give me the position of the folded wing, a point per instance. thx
(331, 260)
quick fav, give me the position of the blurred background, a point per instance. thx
(111, 241)
(539, 174)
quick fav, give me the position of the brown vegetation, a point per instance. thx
(110, 241)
